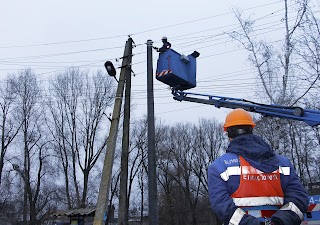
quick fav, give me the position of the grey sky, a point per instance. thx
(49, 36)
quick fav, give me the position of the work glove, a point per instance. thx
(276, 221)
(273, 222)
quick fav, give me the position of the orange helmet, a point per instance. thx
(238, 117)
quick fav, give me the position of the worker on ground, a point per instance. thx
(165, 45)
(250, 184)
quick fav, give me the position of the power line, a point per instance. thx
(136, 33)
(135, 63)
(63, 42)
(59, 54)
(85, 51)
(98, 50)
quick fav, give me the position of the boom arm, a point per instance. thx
(311, 117)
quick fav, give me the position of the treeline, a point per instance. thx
(52, 137)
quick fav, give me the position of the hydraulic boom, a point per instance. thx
(311, 117)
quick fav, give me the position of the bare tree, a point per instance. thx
(308, 49)
(78, 105)
(185, 152)
(9, 128)
(209, 143)
(275, 67)
(11, 204)
(35, 162)
(138, 166)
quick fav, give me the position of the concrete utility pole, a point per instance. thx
(111, 142)
(123, 197)
(152, 177)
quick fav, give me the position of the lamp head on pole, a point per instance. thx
(110, 68)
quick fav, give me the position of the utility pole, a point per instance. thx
(111, 142)
(123, 197)
(152, 177)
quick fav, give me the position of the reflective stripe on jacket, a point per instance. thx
(257, 189)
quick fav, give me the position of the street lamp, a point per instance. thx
(110, 68)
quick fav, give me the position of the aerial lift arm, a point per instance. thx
(311, 117)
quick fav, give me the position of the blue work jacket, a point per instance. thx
(222, 182)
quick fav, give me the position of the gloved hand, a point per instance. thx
(271, 223)
(276, 221)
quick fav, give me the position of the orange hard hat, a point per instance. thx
(238, 117)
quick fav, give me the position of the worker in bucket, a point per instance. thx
(165, 45)
(250, 184)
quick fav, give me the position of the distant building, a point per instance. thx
(83, 216)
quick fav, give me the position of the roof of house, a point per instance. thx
(75, 212)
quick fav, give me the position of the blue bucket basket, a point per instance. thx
(176, 70)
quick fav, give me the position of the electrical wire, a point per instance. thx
(136, 33)
(84, 51)
(89, 64)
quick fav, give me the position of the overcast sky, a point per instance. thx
(50, 36)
